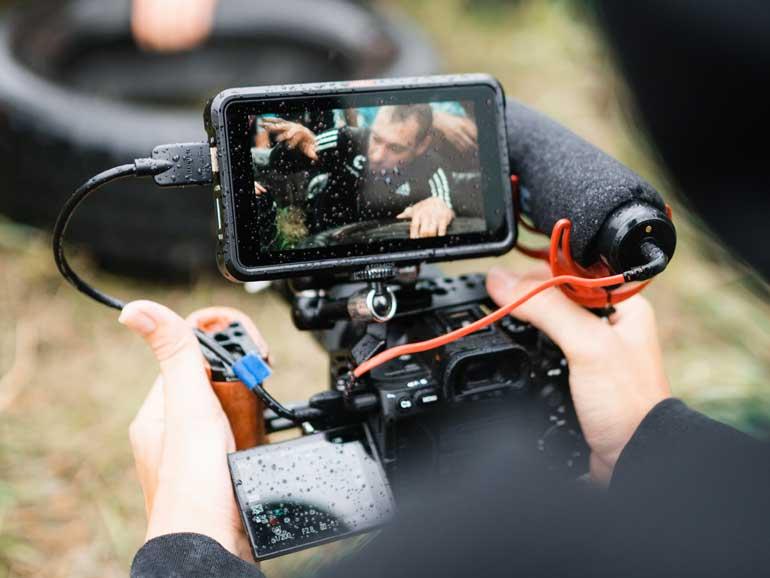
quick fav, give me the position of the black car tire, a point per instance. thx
(77, 97)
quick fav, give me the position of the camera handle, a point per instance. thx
(240, 404)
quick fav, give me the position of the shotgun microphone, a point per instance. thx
(617, 217)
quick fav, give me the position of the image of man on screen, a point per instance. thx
(388, 170)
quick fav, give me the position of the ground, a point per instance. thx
(71, 378)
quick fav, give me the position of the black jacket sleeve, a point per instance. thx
(694, 494)
(676, 445)
(189, 556)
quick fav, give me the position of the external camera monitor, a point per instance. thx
(344, 175)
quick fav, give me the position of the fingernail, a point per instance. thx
(137, 320)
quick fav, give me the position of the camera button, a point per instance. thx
(426, 397)
(404, 403)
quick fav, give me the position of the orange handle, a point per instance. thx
(243, 409)
(244, 412)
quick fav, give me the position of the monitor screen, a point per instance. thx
(310, 490)
(366, 173)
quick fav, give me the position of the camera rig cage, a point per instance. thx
(414, 358)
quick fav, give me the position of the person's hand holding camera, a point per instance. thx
(430, 217)
(616, 368)
(181, 436)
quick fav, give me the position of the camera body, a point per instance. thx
(433, 408)
(426, 417)
(348, 189)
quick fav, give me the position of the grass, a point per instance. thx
(72, 378)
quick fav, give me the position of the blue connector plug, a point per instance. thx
(251, 370)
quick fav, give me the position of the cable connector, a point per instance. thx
(251, 370)
(151, 167)
(190, 164)
(656, 259)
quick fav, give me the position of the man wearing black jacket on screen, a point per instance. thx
(387, 171)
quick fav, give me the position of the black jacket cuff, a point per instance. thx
(188, 555)
(676, 442)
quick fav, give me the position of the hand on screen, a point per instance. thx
(171, 25)
(293, 134)
(430, 218)
(259, 189)
(458, 130)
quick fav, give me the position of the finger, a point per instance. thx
(259, 189)
(270, 120)
(287, 134)
(414, 227)
(296, 140)
(462, 145)
(634, 321)
(276, 127)
(429, 228)
(468, 142)
(632, 310)
(308, 149)
(442, 226)
(423, 224)
(187, 392)
(469, 129)
(575, 330)
(213, 319)
(405, 214)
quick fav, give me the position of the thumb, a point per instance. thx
(186, 389)
(405, 214)
(570, 326)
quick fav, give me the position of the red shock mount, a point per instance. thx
(559, 258)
